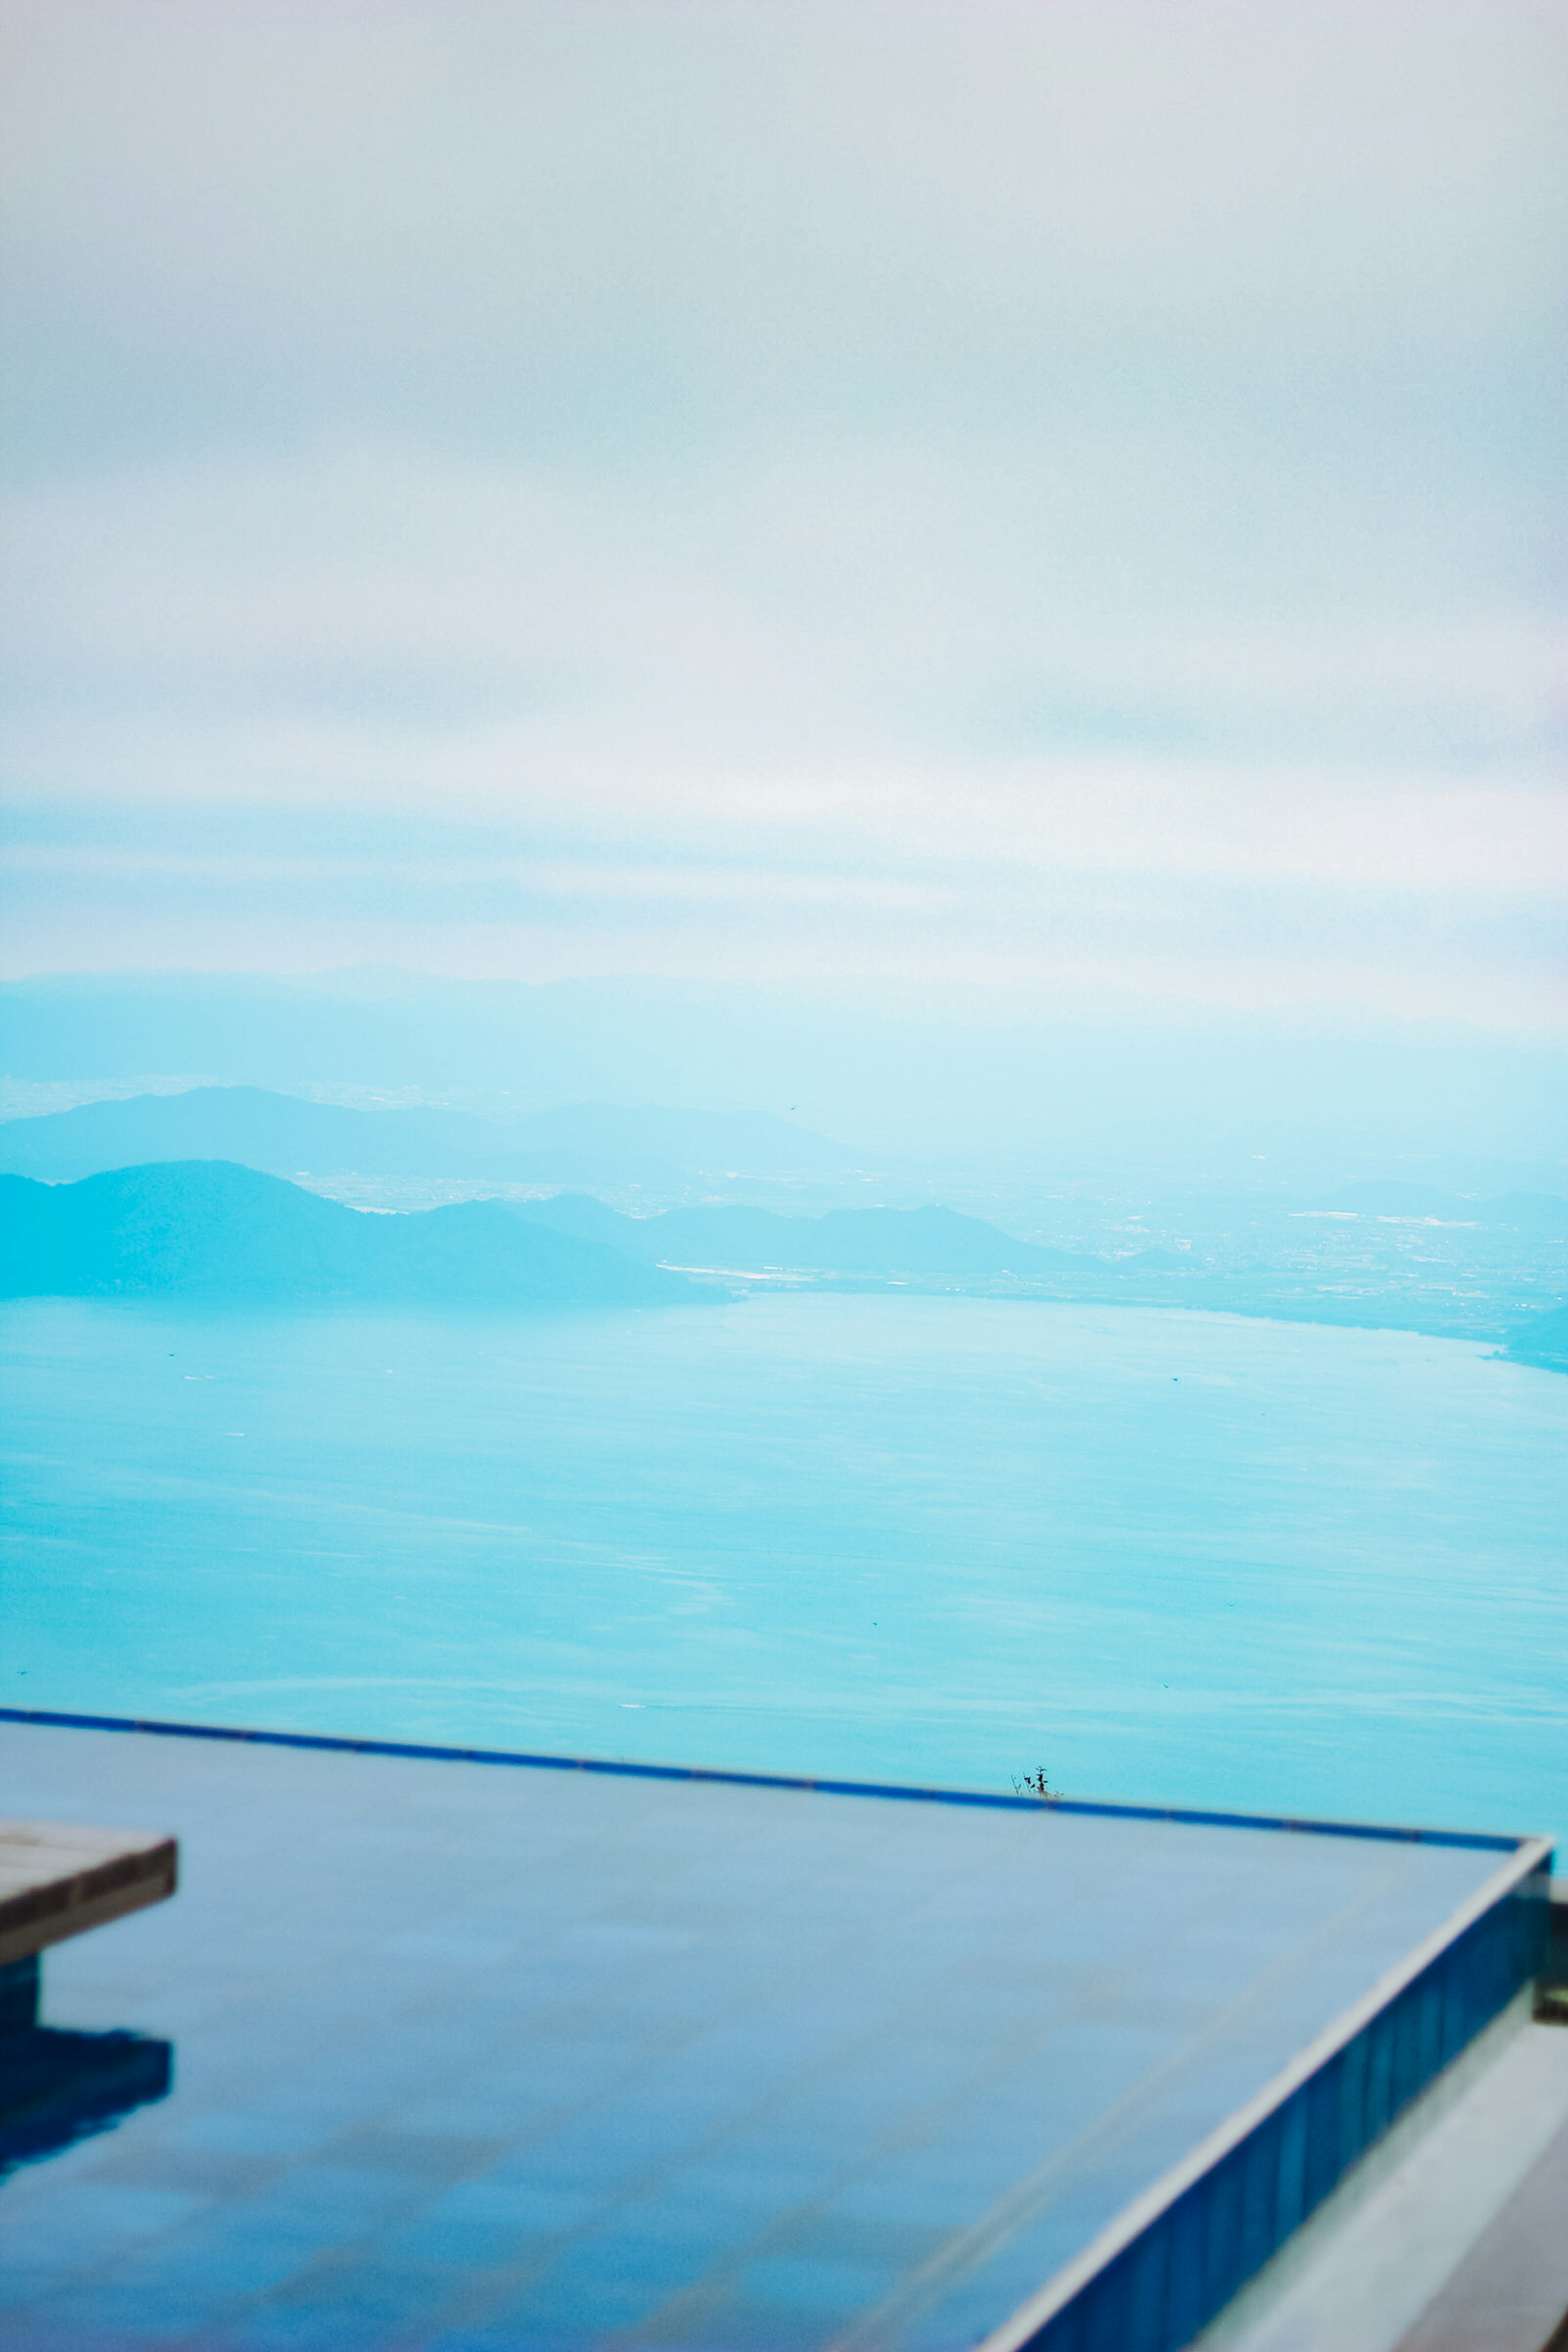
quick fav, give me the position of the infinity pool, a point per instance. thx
(1186, 1557)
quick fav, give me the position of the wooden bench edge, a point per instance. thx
(38, 1916)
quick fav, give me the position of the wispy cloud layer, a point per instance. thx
(1063, 496)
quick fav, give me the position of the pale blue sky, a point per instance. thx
(1064, 500)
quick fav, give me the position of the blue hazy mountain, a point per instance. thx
(276, 1133)
(209, 1229)
(583, 1143)
(1192, 1093)
(844, 1242)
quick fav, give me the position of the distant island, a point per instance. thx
(209, 1229)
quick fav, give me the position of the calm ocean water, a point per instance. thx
(1180, 1558)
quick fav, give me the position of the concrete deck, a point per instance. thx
(1450, 2236)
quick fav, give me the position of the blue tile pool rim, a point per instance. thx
(1479, 1841)
(1176, 2253)
(1171, 2260)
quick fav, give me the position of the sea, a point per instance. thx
(1164, 1557)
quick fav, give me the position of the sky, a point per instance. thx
(1059, 501)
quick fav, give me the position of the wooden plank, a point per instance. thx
(58, 1879)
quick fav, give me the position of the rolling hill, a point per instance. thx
(211, 1229)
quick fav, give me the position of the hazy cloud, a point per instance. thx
(1075, 489)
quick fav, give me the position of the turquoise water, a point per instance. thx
(1189, 1559)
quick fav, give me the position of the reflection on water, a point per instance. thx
(57, 2085)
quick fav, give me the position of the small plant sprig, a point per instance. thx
(1033, 1784)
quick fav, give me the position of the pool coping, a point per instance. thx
(1479, 1841)
(1061, 2313)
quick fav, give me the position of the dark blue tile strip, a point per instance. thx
(1481, 1842)
(1157, 2292)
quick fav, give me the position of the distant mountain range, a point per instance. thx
(584, 1143)
(207, 1229)
(846, 1242)
(209, 1226)
(213, 1230)
(916, 1074)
